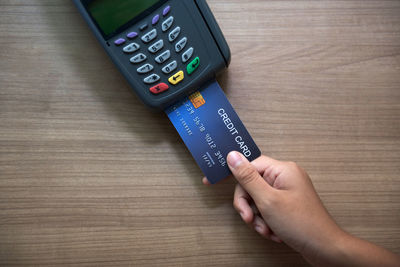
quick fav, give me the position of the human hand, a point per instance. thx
(287, 208)
(278, 200)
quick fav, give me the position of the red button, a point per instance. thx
(159, 88)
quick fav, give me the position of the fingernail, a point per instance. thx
(241, 214)
(258, 229)
(275, 238)
(234, 159)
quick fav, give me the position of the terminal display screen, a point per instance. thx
(110, 15)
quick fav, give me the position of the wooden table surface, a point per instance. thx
(89, 176)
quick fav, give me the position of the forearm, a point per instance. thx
(358, 252)
(347, 250)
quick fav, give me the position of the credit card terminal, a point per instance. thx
(166, 49)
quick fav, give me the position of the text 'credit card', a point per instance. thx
(210, 128)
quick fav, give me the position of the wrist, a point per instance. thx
(340, 247)
(329, 247)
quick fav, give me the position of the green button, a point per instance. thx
(192, 66)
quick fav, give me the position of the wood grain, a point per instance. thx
(90, 177)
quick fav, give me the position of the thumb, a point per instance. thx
(247, 175)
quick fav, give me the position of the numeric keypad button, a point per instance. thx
(167, 24)
(170, 67)
(157, 46)
(145, 68)
(163, 57)
(133, 47)
(150, 36)
(138, 58)
(174, 34)
(187, 55)
(180, 45)
(151, 79)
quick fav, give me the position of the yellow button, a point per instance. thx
(176, 78)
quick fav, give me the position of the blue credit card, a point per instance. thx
(210, 128)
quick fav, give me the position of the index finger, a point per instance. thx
(262, 162)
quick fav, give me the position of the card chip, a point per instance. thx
(197, 99)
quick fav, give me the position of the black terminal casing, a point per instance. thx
(197, 23)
